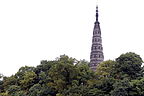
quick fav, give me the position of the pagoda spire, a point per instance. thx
(96, 55)
(97, 13)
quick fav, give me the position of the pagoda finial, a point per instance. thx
(97, 13)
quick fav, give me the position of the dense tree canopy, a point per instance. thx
(67, 76)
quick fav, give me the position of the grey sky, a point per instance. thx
(35, 30)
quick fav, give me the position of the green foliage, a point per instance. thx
(95, 92)
(9, 81)
(28, 80)
(67, 76)
(121, 88)
(129, 65)
(63, 73)
(22, 72)
(106, 69)
(137, 87)
(13, 89)
(35, 90)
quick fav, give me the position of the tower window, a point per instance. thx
(95, 39)
(95, 47)
(99, 40)
(99, 47)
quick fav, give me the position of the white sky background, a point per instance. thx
(35, 30)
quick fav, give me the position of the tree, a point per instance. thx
(129, 65)
(28, 80)
(62, 75)
(8, 81)
(106, 69)
(67, 76)
(95, 92)
(121, 88)
(24, 70)
(137, 87)
(13, 89)
(44, 66)
(104, 77)
(35, 90)
(84, 72)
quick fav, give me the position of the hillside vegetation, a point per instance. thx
(67, 76)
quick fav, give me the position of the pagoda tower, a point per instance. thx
(96, 55)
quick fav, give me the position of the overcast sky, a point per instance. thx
(35, 30)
